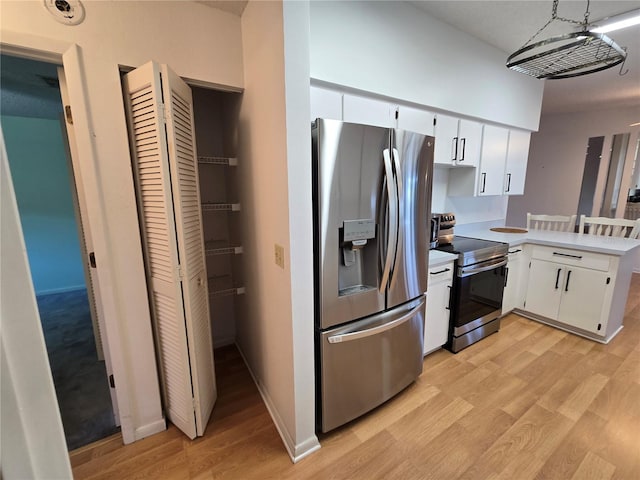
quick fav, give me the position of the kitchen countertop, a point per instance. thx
(436, 258)
(578, 241)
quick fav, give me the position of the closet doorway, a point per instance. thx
(58, 247)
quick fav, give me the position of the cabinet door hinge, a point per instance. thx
(396, 113)
(434, 121)
(529, 264)
(112, 382)
(524, 304)
(92, 259)
(599, 326)
(67, 114)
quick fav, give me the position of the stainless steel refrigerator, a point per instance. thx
(372, 205)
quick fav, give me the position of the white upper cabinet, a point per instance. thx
(517, 156)
(368, 111)
(492, 160)
(325, 104)
(416, 120)
(457, 141)
(446, 133)
(469, 141)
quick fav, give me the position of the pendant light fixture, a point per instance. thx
(571, 55)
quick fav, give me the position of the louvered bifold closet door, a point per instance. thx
(156, 203)
(186, 197)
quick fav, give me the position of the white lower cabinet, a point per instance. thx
(571, 287)
(436, 326)
(514, 288)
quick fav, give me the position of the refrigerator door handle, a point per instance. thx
(346, 337)
(392, 237)
(399, 193)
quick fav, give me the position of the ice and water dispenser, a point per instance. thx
(357, 270)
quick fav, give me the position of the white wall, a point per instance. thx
(31, 436)
(557, 157)
(197, 42)
(275, 335)
(397, 50)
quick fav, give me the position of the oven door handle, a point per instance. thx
(465, 272)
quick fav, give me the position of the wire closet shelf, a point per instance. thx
(570, 55)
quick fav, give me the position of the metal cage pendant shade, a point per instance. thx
(570, 55)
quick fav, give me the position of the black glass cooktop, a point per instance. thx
(473, 250)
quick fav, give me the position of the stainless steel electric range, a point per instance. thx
(476, 299)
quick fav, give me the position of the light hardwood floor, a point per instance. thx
(528, 402)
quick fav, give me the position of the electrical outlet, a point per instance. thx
(279, 255)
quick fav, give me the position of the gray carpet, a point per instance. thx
(79, 377)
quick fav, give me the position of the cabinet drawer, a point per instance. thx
(594, 261)
(441, 273)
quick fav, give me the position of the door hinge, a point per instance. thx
(92, 259)
(434, 121)
(396, 113)
(608, 280)
(164, 114)
(67, 114)
(112, 382)
(180, 272)
(529, 264)
(524, 304)
(599, 326)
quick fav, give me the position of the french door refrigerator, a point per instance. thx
(372, 202)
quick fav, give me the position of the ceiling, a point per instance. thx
(508, 25)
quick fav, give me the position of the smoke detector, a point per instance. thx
(68, 12)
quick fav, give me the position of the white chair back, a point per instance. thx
(556, 223)
(610, 227)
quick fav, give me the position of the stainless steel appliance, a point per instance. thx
(446, 222)
(478, 286)
(372, 196)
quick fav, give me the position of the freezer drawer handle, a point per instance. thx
(347, 337)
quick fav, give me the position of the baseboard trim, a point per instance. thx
(150, 429)
(224, 341)
(296, 452)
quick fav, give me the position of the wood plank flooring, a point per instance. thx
(530, 402)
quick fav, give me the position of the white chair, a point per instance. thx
(556, 223)
(609, 227)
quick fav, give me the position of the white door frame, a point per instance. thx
(69, 55)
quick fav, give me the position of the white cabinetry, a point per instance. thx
(325, 103)
(457, 141)
(436, 325)
(416, 120)
(514, 288)
(516, 167)
(368, 111)
(492, 160)
(571, 287)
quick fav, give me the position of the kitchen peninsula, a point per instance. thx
(575, 282)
